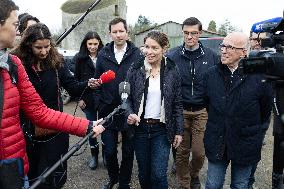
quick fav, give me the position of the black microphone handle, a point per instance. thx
(70, 152)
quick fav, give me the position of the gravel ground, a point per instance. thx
(79, 176)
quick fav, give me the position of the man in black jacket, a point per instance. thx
(116, 56)
(239, 108)
(192, 60)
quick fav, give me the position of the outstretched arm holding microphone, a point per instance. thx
(14, 162)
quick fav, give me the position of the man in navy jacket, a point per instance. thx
(239, 108)
(193, 60)
(116, 56)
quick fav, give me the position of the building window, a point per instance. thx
(116, 10)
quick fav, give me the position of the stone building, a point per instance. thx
(97, 19)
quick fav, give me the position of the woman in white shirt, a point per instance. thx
(155, 110)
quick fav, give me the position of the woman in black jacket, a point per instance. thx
(85, 67)
(47, 72)
(155, 111)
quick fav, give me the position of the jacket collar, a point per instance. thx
(221, 69)
(115, 50)
(200, 48)
(108, 50)
(110, 46)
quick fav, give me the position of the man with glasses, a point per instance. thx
(255, 44)
(255, 40)
(192, 60)
(239, 107)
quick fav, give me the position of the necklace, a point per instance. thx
(153, 75)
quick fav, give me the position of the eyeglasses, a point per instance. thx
(192, 34)
(229, 47)
(257, 39)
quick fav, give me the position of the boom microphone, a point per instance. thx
(107, 77)
(266, 25)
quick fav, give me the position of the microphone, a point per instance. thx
(124, 91)
(107, 77)
(266, 25)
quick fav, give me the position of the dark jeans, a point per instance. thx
(92, 116)
(152, 150)
(251, 177)
(253, 170)
(123, 173)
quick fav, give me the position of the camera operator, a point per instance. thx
(255, 40)
(270, 62)
(255, 44)
(239, 108)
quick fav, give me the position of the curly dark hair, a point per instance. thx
(38, 31)
(160, 37)
(7, 6)
(83, 52)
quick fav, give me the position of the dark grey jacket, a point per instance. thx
(170, 90)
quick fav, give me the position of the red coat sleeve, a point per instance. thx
(39, 114)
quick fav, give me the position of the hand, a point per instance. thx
(98, 129)
(133, 119)
(82, 104)
(177, 141)
(94, 83)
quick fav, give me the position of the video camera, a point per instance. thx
(270, 62)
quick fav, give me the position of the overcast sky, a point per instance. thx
(241, 13)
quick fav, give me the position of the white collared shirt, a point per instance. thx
(119, 53)
(233, 69)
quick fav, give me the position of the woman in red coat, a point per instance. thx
(17, 92)
(47, 72)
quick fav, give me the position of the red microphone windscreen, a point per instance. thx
(107, 76)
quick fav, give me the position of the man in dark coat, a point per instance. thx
(192, 60)
(239, 108)
(116, 56)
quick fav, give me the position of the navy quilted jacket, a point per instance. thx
(171, 94)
